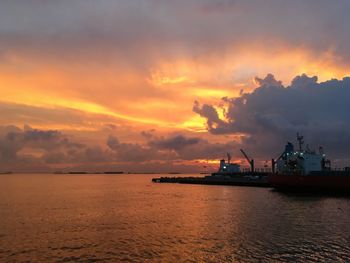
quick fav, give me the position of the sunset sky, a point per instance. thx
(162, 86)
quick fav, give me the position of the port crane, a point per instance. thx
(274, 161)
(250, 161)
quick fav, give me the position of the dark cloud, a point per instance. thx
(207, 150)
(214, 123)
(177, 142)
(43, 139)
(172, 148)
(54, 157)
(134, 152)
(31, 149)
(191, 148)
(273, 114)
(13, 140)
(148, 134)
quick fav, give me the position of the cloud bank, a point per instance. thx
(261, 121)
(274, 113)
(36, 150)
(141, 61)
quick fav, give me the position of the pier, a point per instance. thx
(241, 179)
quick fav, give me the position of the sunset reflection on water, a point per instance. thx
(126, 217)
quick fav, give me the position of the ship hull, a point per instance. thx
(311, 183)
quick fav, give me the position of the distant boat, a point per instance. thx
(77, 172)
(114, 172)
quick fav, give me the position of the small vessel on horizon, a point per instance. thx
(6, 172)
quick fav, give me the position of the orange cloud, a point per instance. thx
(163, 95)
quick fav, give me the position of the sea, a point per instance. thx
(127, 218)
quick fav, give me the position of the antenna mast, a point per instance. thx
(300, 139)
(228, 158)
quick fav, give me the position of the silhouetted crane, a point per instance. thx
(274, 161)
(250, 161)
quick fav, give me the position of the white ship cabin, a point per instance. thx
(301, 161)
(227, 167)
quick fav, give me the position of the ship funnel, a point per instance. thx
(289, 148)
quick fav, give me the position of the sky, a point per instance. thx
(170, 86)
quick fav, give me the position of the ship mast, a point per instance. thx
(228, 158)
(300, 139)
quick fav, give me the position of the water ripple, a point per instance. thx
(127, 219)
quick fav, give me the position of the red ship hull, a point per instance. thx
(334, 183)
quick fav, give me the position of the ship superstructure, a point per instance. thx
(228, 167)
(302, 161)
(307, 170)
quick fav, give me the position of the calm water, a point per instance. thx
(127, 218)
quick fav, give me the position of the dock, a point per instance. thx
(241, 180)
(228, 174)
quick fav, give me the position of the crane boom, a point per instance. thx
(246, 156)
(274, 161)
(250, 161)
(280, 156)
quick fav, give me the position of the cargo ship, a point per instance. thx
(308, 171)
